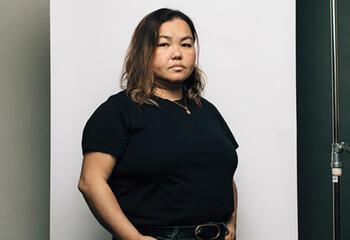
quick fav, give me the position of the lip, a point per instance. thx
(177, 66)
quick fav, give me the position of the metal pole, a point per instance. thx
(337, 147)
(334, 71)
(336, 163)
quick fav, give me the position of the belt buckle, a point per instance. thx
(197, 230)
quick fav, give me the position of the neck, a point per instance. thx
(168, 89)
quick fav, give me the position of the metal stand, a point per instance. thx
(337, 147)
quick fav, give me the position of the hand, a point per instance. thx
(231, 232)
(143, 237)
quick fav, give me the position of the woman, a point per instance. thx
(159, 159)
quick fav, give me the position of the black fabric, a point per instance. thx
(189, 232)
(172, 168)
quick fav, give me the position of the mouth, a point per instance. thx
(177, 67)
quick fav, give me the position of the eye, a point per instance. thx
(163, 45)
(187, 45)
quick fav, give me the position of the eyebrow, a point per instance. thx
(182, 39)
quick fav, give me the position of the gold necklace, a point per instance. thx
(184, 107)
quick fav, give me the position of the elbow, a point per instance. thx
(82, 186)
(90, 184)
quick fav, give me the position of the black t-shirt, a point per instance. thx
(172, 168)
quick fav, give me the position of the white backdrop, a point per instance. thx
(248, 54)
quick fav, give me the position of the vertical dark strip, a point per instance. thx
(344, 134)
(314, 117)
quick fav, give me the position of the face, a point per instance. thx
(175, 55)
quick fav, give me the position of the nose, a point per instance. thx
(176, 53)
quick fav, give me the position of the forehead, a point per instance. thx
(174, 27)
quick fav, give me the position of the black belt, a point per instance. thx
(205, 231)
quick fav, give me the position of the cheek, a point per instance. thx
(192, 54)
(159, 61)
(192, 57)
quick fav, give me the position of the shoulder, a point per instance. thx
(129, 111)
(209, 105)
(205, 101)
(118, 102)
(112, 107)
(119, 99)
(117, 110)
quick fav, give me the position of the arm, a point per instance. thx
(231, 224)
(95, 172)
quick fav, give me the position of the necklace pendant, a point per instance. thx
(188, 111)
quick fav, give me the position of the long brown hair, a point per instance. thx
(138, 69)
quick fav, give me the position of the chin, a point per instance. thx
(173, 79)
(177, 78)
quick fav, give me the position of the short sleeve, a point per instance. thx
(229, 133)
(225, 127)
(105, 130)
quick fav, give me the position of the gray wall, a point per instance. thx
(247, 50)
(24, 119)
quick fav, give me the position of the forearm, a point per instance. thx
(106, 209)
(235, 199)
(231, 224)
